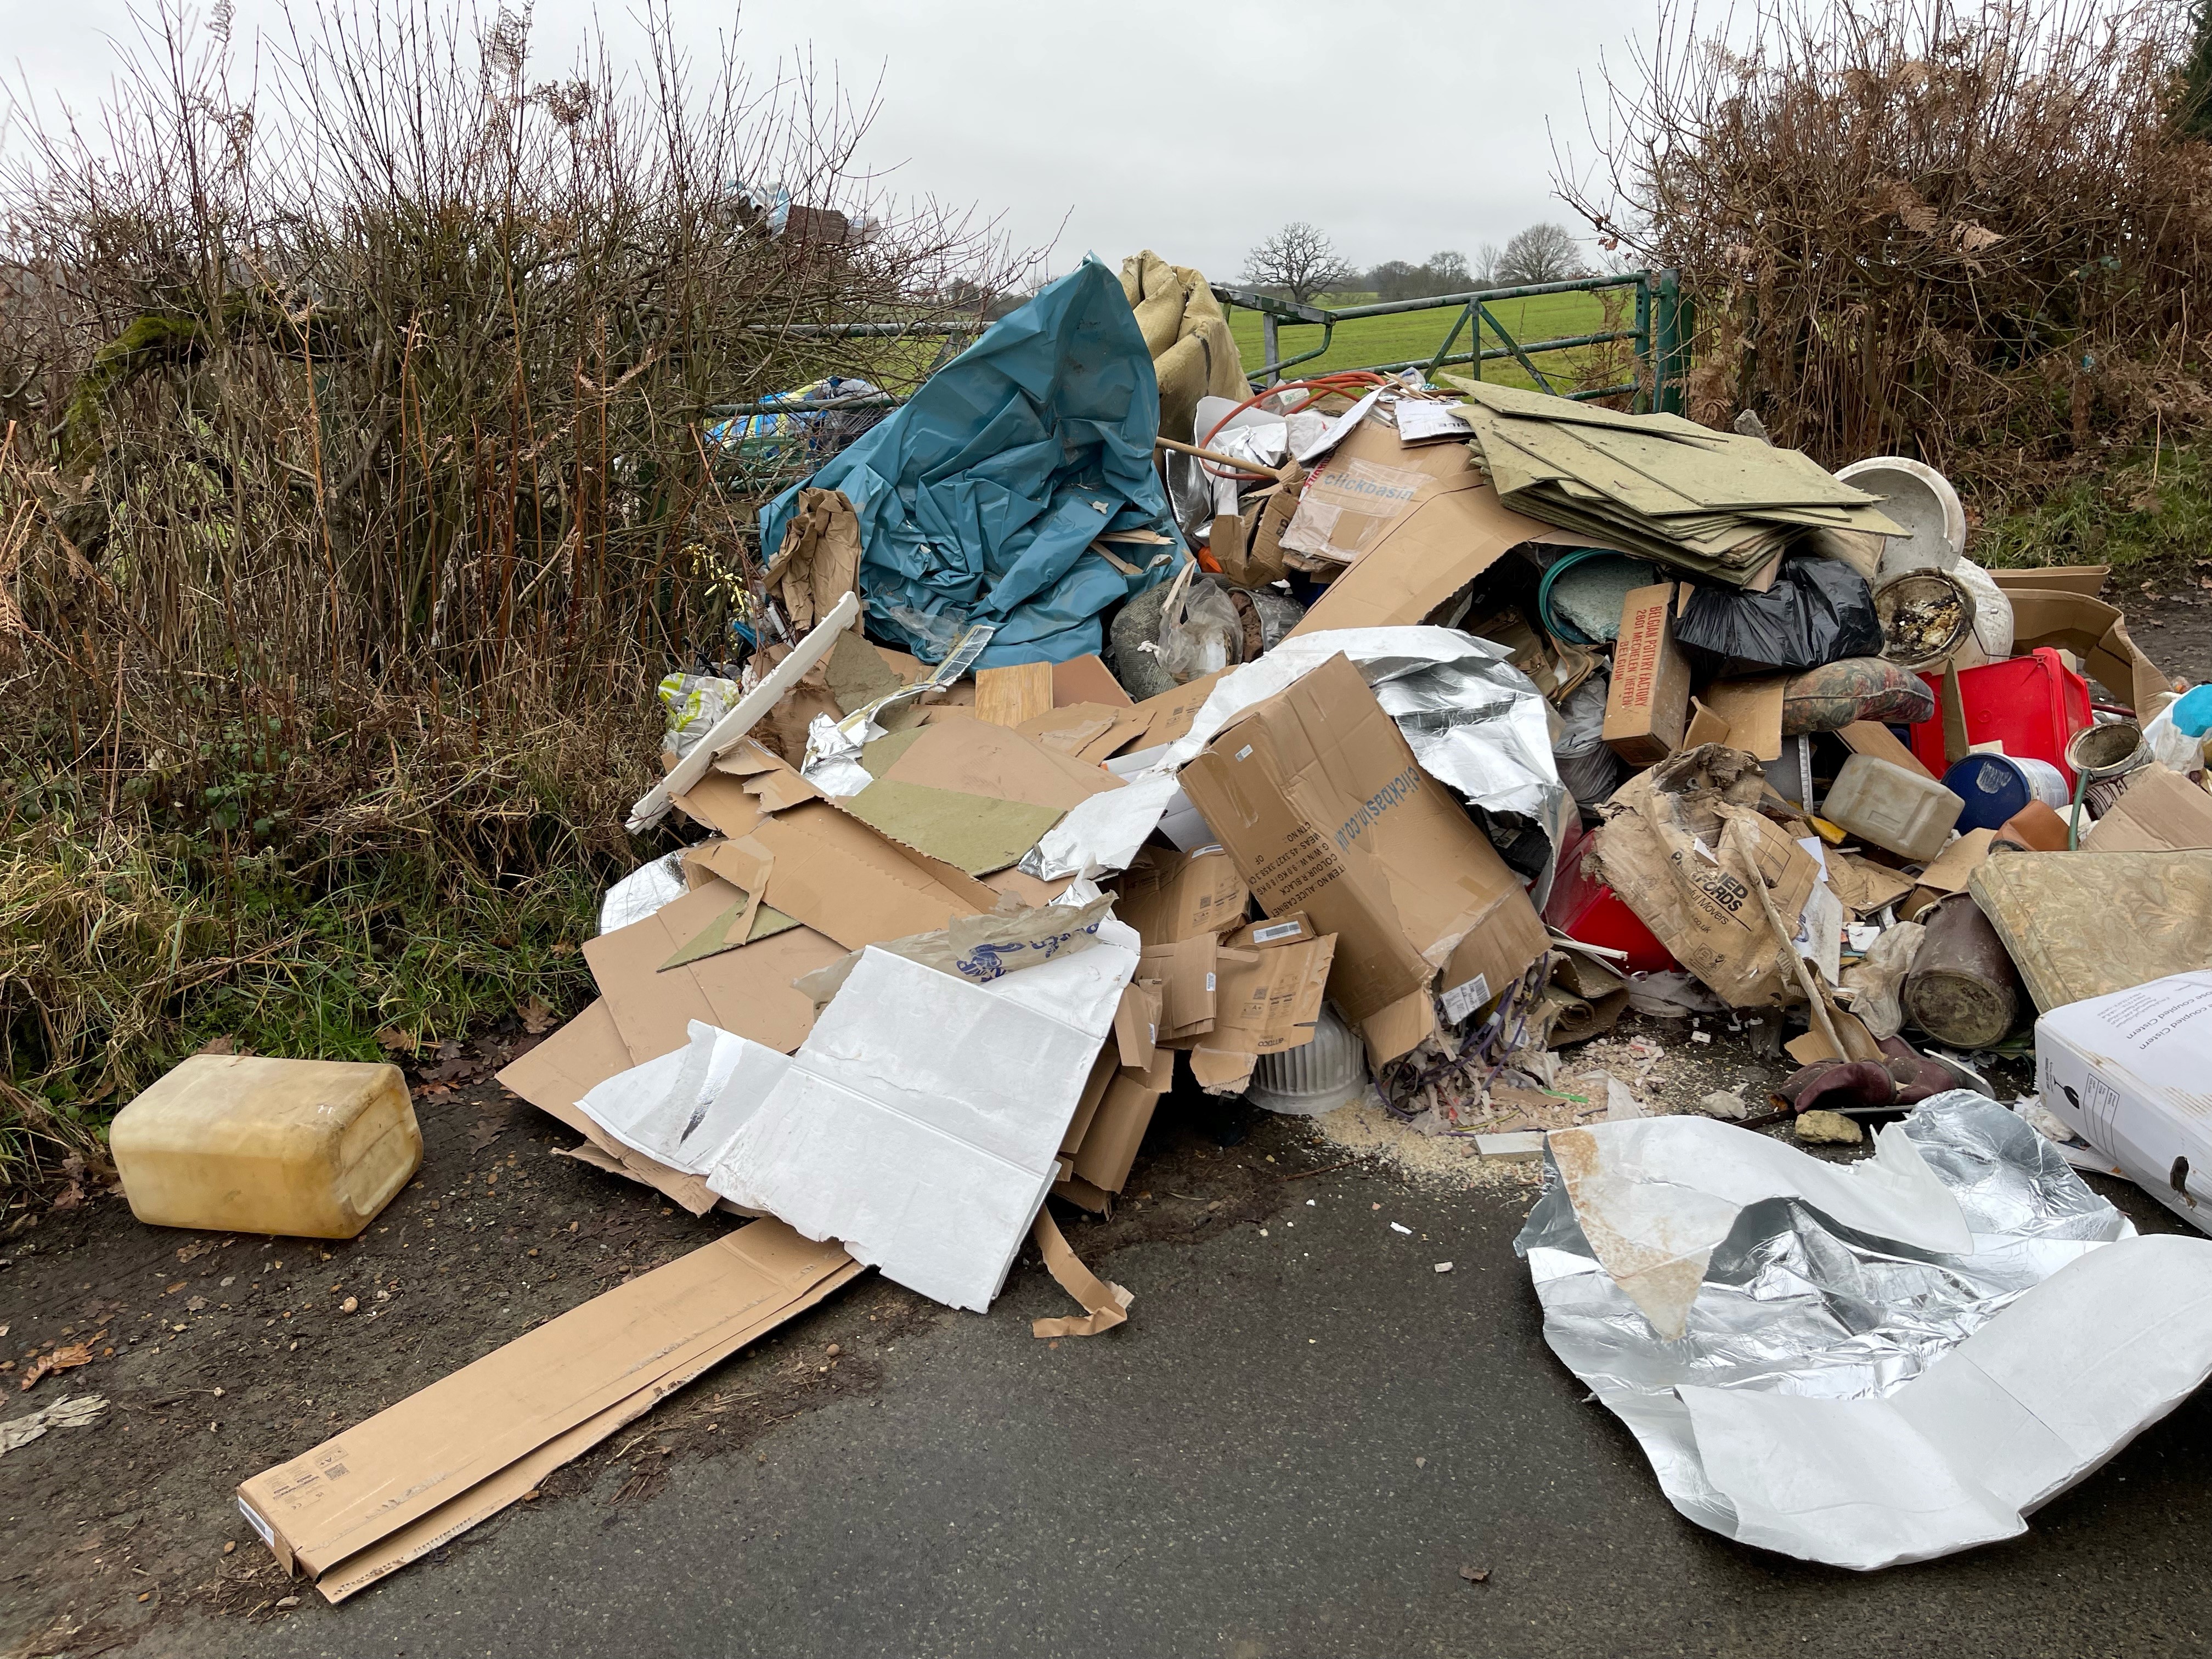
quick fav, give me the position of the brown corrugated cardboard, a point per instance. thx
(1088, 731)
(1706, 726)
(1322, 805)
(973, 757)
(1752, 709)
(2091, 629)
(1430, 554)
(1086, 1107)
(1168, 895)
(1116, 1132)
(1187, 973)
(747, 991)
(423, 1464)
(567, 1066)
(1087, 679)
(1648, 705)
(2161, 812)
(1104, 1305)
(1273, 978)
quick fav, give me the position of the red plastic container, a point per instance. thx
(2033, 705)
(1587, 909)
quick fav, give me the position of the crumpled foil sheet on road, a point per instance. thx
(1838, 1393)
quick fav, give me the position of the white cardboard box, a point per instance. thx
(2132, 1074)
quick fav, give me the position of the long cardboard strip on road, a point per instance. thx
(414, 1475)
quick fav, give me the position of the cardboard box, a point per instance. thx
(1168, 896)
(2161, 812)
(1323, 807)
(413, 1476)
(2130, 1072)
(1647, 708)
(1416, 525)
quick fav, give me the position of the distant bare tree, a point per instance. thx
(1486, 260)
(1541, 253)
(1449, 272)
(1299, 261)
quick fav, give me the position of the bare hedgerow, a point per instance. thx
(353, 492)
(1969, 233)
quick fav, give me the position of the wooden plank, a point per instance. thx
(1008, 696)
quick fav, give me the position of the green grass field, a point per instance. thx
(1417, 334)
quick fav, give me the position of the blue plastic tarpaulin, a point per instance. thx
(979, 500)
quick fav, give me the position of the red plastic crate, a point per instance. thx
(1587, 909)
(2033, 705)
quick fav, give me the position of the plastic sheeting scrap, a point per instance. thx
(981, 498)
(1871, 1365)
(1472, 720)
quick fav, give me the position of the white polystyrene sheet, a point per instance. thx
(684, 1107)
(919, 1124)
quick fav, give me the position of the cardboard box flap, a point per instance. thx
(1425, 558)
(2092, 630)
(1087, 679)
(2161, 812)
(1752, 709)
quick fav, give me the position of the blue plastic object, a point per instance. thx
(2192, 712)
(1995, 786)
(979, 499)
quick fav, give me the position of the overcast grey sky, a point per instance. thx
(1399, 127)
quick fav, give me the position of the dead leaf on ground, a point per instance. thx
(395, 1041)
(537, 1018)
(198, 1247)
(486, 1130)
(61, 1359)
